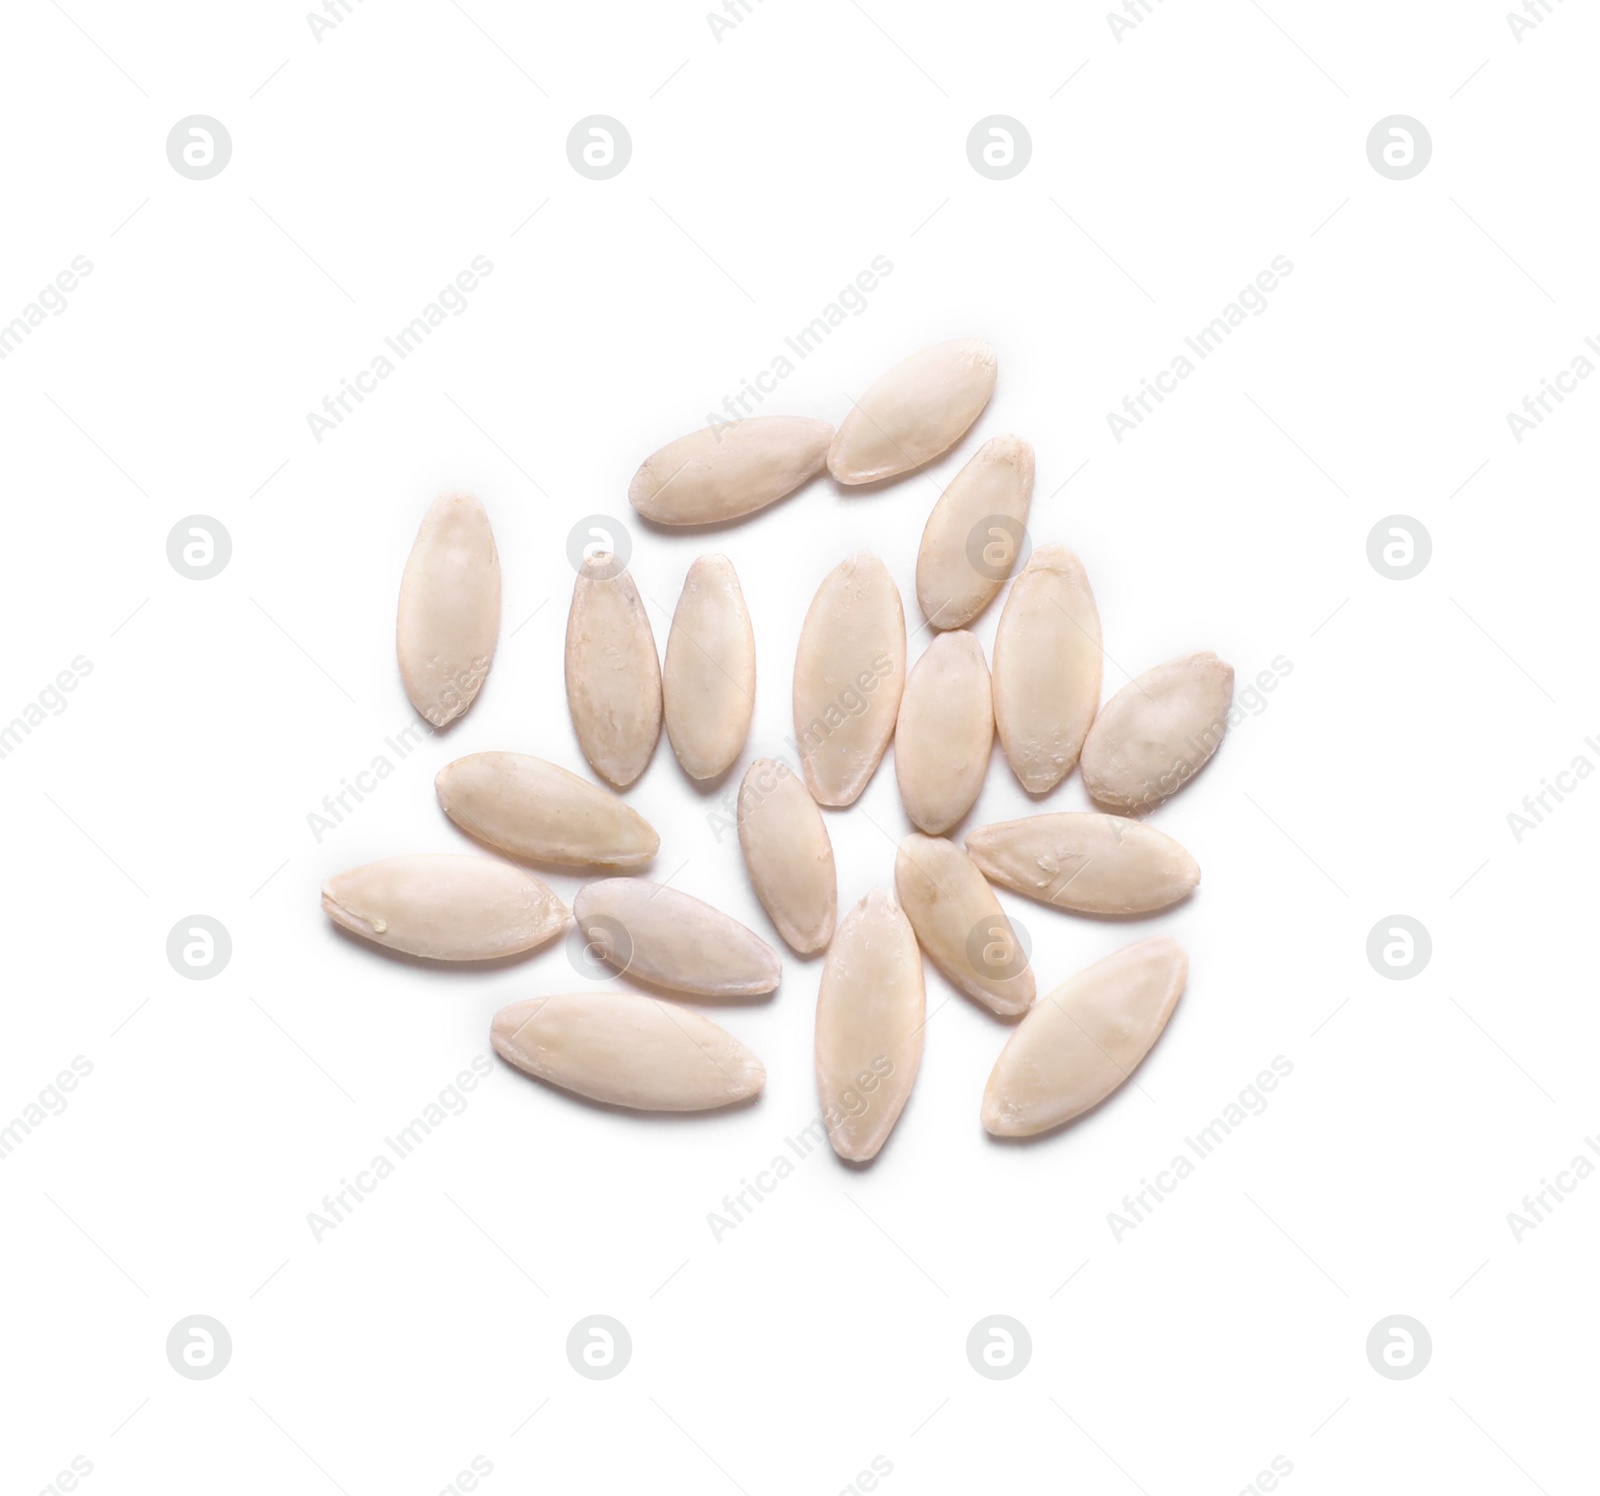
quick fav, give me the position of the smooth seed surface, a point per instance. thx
(446, 907)
(670, 939)
(533, 809)
(788, 854)
(849, 671)
(722, 473)
(1086, 861)
(1080, 1042)
(960, 924)
(449, 615)
(1046, 668)
(920, 408)
(613, 676)
(972, 537)
(944, 733)
(627, 1050)
(871, 1007)
(1157, 732)
(708, 683)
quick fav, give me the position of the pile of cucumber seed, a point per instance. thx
(853, 695)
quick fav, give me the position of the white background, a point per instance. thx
(769, 168)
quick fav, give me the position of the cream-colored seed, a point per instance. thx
(708, 682)
(536, 810)
(920, 408)
(871, 1007)
(1154, 735)
(849, 671)
(669, 939)
(733, 469)
(627, 1050)
(788, 854)
(447, 908)
(972, 537)
(449, 616)
(613, 676)
(1086, 861)
(1046, 668)
(1080, 1042)
(960, 924)
(944, 732)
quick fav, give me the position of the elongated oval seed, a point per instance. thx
(849, 671)
(923, 406)
(670, 939)
(1080, 1042)
(449, 616)
(537, 810)
(1086, 861)
(871, 1008)
(788, 854)
(1152, 737)
(708, 683)
(944, 732)
(445, 907)
(960, 924)
(627, 1050)
(974, 534)
(613, 677)
(724, 472)
(1046, 668)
